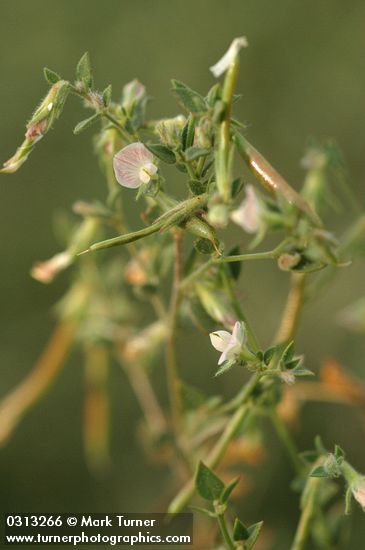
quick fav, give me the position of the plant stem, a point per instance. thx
(96, 409)
(30, 390)
(292, 309)
(125, 135)
(217, 453)
(147, 399)
(225, 533)
(173, 381)
(267, 255)
(287, 441)
(311, 492)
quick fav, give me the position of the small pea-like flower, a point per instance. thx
(228, 344)
(288, 377)
(45, 272)
(229, 57)
(133, 165)
(358, 491)
(248, 214)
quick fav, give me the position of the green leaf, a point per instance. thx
(234, 267)
(84, 72)
(240, 532)
(197, 187)
(302, 372)
(294, 363)
(204, 246)
(339, 454)
(193, 153)
(309, 456)
(227, 365)
(226, 493)
(208, 485)
(288, 352)
(214, 94)
(51, 76)
(188, 133)
(107, 95)
(319, 471)
(84, 124)
(189, 99)
(269, 354)
(254, 531)
(162, 152)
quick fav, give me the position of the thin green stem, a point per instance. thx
(121, 129)
(310, 502)
(219, 449)
(286, 439)
(173, 381)
(267, 255)
(225, 533)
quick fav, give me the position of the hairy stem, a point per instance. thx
(308, 512)
(30, 390)
(173, 381)
(292, 309)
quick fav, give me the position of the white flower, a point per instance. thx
(248, 214)
(45, 272)
(228, 344)
(133, 165)
(229, 57)
(358, 491)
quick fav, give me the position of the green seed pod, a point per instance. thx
(203, 230)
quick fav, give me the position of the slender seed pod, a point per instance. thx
(271, 179)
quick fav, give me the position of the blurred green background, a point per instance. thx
(303, 75)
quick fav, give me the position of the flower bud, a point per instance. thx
(41, 121)
(218, 215)
(287, 262)
(45, 272)
(169, 130)
(203, 133)
(133, 93)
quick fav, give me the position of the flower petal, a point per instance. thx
(220, 339)
(128, 162)
(248, 214)
(238, 333)
(223, 64)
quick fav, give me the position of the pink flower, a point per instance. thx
(248, 214)
(133, 165)
(45, 272)
(228, 344)
(358, 490)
